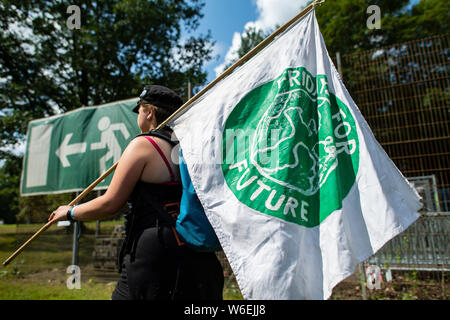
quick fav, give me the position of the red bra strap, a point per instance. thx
(172, 176)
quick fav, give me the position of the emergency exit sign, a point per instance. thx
(66, 153)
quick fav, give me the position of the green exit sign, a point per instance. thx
(66, 153)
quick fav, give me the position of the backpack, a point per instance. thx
(190, 222)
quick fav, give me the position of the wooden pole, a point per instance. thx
(72, 203)
(247, 56)
(227, 72)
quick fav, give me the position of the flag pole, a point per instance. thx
(72, 203)
(224, 74)
(243, 59)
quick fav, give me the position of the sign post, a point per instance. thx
(76, 238)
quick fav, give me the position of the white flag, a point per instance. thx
(289, 173)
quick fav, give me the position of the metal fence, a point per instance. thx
(422, 247)
(403, 92)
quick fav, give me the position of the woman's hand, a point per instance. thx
(59, 214)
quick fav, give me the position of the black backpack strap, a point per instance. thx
(164, 218)
(162, 215)
(160, 134)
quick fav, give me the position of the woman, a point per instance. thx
(154, 264)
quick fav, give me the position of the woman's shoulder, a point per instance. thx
(149, 145)
(138, 141)
(139, 146)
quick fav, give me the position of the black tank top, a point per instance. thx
(142, 204)
(147, 199)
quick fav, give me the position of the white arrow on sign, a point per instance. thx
(66, 149)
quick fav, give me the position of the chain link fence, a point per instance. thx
(403, 92)
(422, 247)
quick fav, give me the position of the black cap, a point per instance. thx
(160, 97)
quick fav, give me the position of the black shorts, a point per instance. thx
(159, 269)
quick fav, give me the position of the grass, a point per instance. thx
(231, 290)
(7, 228)
(41, 289)
(39, 272)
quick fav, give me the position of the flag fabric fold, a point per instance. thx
(291, 178)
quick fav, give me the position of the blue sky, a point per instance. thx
(224, 18)
(227, 19)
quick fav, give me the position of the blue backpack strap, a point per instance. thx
(192, 224)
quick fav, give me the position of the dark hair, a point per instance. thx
(160, 113)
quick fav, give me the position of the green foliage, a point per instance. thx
(426, 18)
(46, 67)
(249, 39)
(36, 209)
(39, 272)
(9, 187)
(123, 44)
(343, 23)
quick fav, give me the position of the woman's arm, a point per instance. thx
(127, 174)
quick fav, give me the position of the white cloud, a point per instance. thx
(231, 53)
(17, 149)
(273, 12)
(218, 49)
(270, 14)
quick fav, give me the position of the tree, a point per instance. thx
(343, 23)
(9, 187)
(249, 39)
(399, 85)
(121, 46)
(48, 68)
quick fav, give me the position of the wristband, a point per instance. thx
(70, 215)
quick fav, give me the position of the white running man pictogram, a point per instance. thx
(108, 140)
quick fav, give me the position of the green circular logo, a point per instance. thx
(290, 149)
